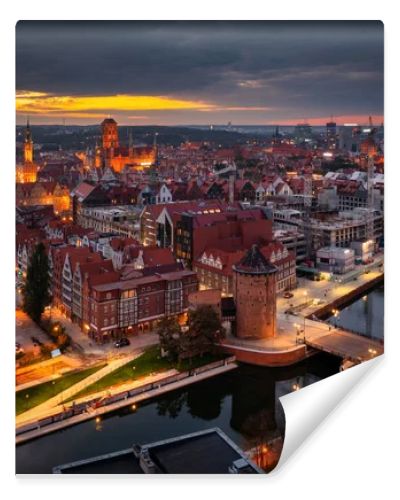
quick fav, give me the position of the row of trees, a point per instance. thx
(201, 336)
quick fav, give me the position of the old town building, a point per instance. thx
(127, 307)
(112, 154)
(27, 171)
(215, 267)
(43, 193)
(232, 228)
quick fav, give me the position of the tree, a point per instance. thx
(36, 289)
(169, 332)
(204, 334)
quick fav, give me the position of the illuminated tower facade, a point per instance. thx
(28, 145)
(27, 171)
(255, 296)
(109, 130)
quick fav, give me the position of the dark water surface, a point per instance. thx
(243, 403)
(365, 315)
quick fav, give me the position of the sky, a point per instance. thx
(181, 73)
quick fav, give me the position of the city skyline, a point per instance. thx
(176, 73)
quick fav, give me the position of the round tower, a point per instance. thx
(255, 296)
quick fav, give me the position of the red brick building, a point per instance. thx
(231, 229)
(126, 307)
(215, 267)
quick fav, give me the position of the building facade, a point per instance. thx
(127, 307)
(27, 171)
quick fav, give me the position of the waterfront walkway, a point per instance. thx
(48, 406)
(300, 333)
(311, 296)
(162, 386)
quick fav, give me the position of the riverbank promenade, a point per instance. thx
(300, 333)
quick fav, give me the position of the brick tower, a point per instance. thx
(28, 145)
(27, 171)
(255, 296)
(109, 131)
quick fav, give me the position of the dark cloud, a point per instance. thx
(322, 67)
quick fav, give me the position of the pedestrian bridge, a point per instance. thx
(347, 345)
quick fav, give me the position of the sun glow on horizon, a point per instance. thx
(42, 103)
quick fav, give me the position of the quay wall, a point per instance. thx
(326, 310)
(85, 411)
(266, 358)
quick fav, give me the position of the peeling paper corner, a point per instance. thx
(307, 408)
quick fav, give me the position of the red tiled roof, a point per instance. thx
(121, 243)
(154, 256)
(83, 189)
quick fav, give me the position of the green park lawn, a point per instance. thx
(33, 396)
(149, 362)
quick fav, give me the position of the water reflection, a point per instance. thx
(243, 403)
(365, 315)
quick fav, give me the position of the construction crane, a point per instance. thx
(370, 198)
(307, 193)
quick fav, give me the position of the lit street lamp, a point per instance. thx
(335, 313)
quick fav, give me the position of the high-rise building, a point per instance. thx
(302, 132)
(331, 135)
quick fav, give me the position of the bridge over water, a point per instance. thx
(347, 345)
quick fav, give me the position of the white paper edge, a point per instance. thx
(307, 408)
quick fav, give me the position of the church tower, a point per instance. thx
(109, 131)
(27, 171)
(28, 145)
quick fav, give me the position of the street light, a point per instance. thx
(297, 326)
(335, 313)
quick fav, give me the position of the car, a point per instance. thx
(288, 295)
(122, 342)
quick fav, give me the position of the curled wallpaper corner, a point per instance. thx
(307, 408)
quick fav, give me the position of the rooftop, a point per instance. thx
(205, 452)
(254, 262)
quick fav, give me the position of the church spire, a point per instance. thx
(28, 146)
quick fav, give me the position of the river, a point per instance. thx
(243, 403)
(365, 315)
